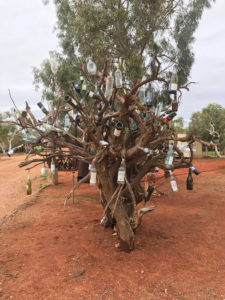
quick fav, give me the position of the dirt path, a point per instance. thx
(51, 251)
(13, 183)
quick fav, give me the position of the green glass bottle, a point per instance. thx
(29, 189)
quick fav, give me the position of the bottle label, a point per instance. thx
(174, 185)
(173, 87)
(93, 178)
(121, 176)
(170, 160)
(117, 132)
(91, 94)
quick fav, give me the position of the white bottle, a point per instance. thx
(173, 182)
(43, 170)
(93, 174)
(121, 173)
(52, 167)
(91, 67)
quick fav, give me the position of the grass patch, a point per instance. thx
(57, 196)
(45, 196)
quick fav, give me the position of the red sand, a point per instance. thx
(52, 251)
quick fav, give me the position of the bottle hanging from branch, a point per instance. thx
(109, 85)
(91, 67)
(190, 180)
(118, 78)
(170, 117)
(67, 123)
(195, 170)
(173, 83)
(77, 87)
(118, 129)
(71, 102)
(52, 168)
(148, 193)
(43, 170)
(93, 174)
(158, 109)
(84, 86)
(29, 188)
(121, 172)
(43, 109)
(173, 182)
(169, 156)
(149, 96)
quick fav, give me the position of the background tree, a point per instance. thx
(212, 114)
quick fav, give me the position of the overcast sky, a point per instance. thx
(27, 35)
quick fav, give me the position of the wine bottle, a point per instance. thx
(121, 172)
(148, 193)
(149, 96)
(84, 85)
(118, 129)
(13, 150)
(93, 174)
(118, 79)
(109, 85)
(195, 170)
(91, 67)
(29, 189)
(71, 102)
(43, 170)
(134, 127)
(173, 182)
(52, 167)
(173, 83)
(189, 180)
(170, 117)
(77, 87)
(43, 109)
(169, 156)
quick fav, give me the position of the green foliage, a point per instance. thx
(212, 114)
(178, 124)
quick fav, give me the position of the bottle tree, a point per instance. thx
(119, 80)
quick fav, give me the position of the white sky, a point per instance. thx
(26, 37)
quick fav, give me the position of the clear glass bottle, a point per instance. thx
(121, 172)
(84, 85)
(169, 156)
(118, 79)
(52, 168)
(141, 95)
(173, 182)
(173, 83)
(109, 85)
(43, 170)
(67, 123)
(91, 67)
(149, 96)
(93, 174)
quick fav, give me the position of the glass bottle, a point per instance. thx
(195, 170)
(170, 117)
(43, 170)
(169, 156)
(93, 174)
(77, 87)
(66, 123)
(141, 95)
(190, 180)
(149, 96)
(173, 83)
(121, 172)
(91, 67)
(158, 109)
(84, 85)
(43, 109)
(109, 85)
(29, 189)
(52, 168)
(118, 129)
(118, 79)
(173, 182)
(148, 193)
(71, 101)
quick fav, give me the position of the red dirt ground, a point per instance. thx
(52, 251)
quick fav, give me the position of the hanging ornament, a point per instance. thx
(109, 85)
(91, 67)
(118, 79)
